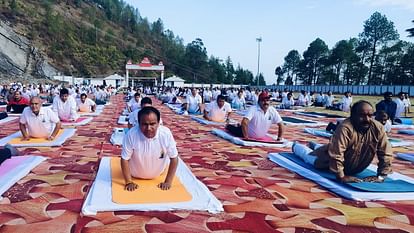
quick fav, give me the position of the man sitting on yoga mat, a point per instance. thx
(39, 122)
(256, 123)
(17, 103)
(194, 102)
(85, 104)
(353, 146)
(147, 149)
(65, 106)
(218, 111)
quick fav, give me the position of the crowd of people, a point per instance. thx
(149, 145)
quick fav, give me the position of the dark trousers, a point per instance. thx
(235, 130)
(4, 154)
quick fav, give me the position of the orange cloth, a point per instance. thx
(18, 141)
(148, 191)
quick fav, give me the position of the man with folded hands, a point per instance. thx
(147, 149)
(39, 122)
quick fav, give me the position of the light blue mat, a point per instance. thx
(389, 185)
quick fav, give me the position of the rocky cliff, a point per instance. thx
(19, 59)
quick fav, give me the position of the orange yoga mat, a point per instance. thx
(18, 141)
(147, 192)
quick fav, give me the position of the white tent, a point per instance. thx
(174, 81)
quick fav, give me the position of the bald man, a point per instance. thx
(352, 148)
(39, 122)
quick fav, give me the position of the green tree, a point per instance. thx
(291, 64)
(196, 59)
(311, 65)
(411, 31)
(229, 70)
(279, 72)
(378, 31)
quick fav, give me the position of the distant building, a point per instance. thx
(174, 81)
(114, 80)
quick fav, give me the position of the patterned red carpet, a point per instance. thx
(258, 196)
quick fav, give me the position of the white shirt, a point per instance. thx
(134, 105)
(65, 110)
(148, 157)
(40, 126)
(216, 113)
(346, 104)
(328, 100)
(388, 126)
(302, 100)
(193, 103)
(255, 98)
(207, 95)
(287, 103)
(400, 108)
(260, 122)
(238, 102)
(87, 106)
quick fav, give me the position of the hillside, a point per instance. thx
(89, 38)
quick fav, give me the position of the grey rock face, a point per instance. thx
(19, 59)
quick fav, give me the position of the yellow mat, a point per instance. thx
(147, 192)
(18, 141)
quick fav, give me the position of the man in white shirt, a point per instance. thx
(256, 123)
(302, 100)
(400, 105)
(346, 102)
(65, 106)
(147, 149)
(207, 95)
(133, 116)
(194, 102)
(218, 111)
(328, 100)
(239, 102)
(85, 104)
(135, 102)
(287, 101)
(38, 122)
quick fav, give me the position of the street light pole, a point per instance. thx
(258, 58)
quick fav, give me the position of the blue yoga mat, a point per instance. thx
(406, 120)
(389, 185)
(325, 114)
(296, 120)
(406, 131)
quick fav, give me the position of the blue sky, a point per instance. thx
(230, 27)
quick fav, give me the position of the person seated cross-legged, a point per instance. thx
(352, 148)
(18, 103)
(85, 104)
(146, 150)
(39, 122)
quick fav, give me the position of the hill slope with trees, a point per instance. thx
(88, 38)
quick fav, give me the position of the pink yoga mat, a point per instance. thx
(80, 119)
(11, 163)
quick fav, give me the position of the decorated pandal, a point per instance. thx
(254, 194)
